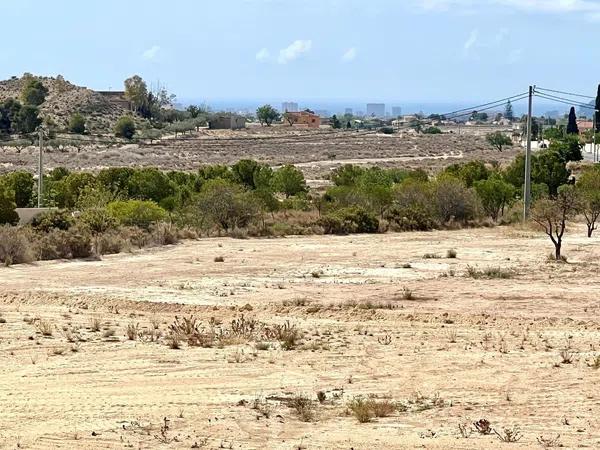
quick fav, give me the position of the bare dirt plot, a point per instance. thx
(515, 351)
(318, 151)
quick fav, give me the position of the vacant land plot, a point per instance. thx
(317, 152)
(364, 342)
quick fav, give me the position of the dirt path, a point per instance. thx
(454, 351)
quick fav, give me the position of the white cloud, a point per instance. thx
(471, 41)
(515, 56)
(349, 55)
(294, 51)
(588, 8)
(151, 53)
(263, 55)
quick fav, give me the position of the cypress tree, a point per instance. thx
(572, 127)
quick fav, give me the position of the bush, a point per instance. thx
(15, 246)
(77, 124)
(386, 130)
(349, 220)
(125, 127)
(138, 213)
(8, 215)
(432, 130)
(65, 244)
(453, 200)
(52, 220)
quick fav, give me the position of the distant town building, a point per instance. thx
(289, 107)
(396, 111)
(303, 119)
(227, 123)
(376, 109)
(585, 125)
(348, 111)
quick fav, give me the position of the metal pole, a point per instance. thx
(41, 170)
(527, 188)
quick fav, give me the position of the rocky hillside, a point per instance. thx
(65, 98)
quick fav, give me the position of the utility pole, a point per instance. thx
(41, 169)
(527, 187)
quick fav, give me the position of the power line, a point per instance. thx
(569, 100)
(564, 101)
(477, 108)
(566, 93)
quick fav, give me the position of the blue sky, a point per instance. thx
(376, 50)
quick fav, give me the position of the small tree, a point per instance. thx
(289, 181)
(77, 124)
(266, 114)
(495, 195)
(552, 215)
(572, 127)
(588, 187)
(8, 215)
(125, 127)
(335, 122)
(508, 111)
(34, 92)
(499, 140)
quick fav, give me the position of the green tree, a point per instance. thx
(21, 183)
(597, 112)
(289, 181)
(469, 172)
(136, 91)
(569, 148)
(588, 188)
(193, 110)
(495, 195)
(548, 167)
(28, 119)
(553, 133)
(125, 127)
(8, 215)
(138, 213)
(77, 124)
(335, 122)
(498, 140)
(572, 127)
(150, 184)
(432, 130)
(34, 92)
(266, 114)
(508, 111)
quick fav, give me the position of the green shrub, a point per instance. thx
(125, 127)
(432, 130)
(453, 201)
(58, 219)
(386, 130)
(138, 213)
(349, 220)
(97, 220)
(77, 124)
(8, 215)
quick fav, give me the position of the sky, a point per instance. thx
(336, 51)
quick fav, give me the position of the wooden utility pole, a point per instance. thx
(527, 187)
(41, 170)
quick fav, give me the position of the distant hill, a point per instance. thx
(65, 98)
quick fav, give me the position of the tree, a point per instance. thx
(193, 110)
(569, 148)
(289, 181)
(495, 195)
(21, 183)
(572, 127)
(553, 133)
(151, 134)
(9, 111)
(548, 167)
(266, 114)
(552, 215)
(508, 111)
(8, 215)
(498, 140)
(335, 122)
(136, 92)
(588, 188)
(28, 119)
(33, 92)
(125, 127)
(77, 124)
(469, 172)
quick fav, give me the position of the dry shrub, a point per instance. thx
(361, 409)
(133, 331)
(490, 273)
(304, 406)
(45, 327)
(163, 233)
(15, 246)
(65, 244)
(111, 242)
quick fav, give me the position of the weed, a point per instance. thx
(95, 324)
(489, 273)
(451, 254)
(509, 434)
(549, 442)
(431, 256)
(133, 331)
(173, 341)
(483, 426)
(45, 327)
(321, 397)
(219, 259)
(361, 409)
(407, 294)
(385, 340)
(566, 356)
(304, 408)
(465, 430)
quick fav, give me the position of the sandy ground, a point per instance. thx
(317, 151)
(461, 350)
